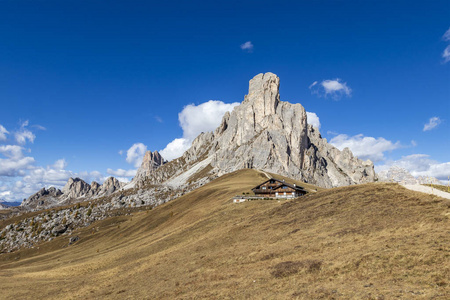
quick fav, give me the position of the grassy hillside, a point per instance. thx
(443, 188)
(371, 241)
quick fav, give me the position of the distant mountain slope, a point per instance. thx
(368, 241)
(268, 134)
(401, 175)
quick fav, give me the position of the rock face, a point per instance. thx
(109, 186)
(266, 133)
(151, 162)
(75, 188)
(402, 176)
(42, 197)
(78, 188)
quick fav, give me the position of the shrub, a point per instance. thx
(89, 212)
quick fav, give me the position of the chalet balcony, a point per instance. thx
(263, 191)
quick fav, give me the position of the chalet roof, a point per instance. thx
(295, 187)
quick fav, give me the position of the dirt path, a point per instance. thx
(267, 175)
(427, 190)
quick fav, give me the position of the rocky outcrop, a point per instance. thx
(109, 186)
(76, 188)
(150, 162)
(42, 198)
(266, 133)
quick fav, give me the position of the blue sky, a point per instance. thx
(83, 81)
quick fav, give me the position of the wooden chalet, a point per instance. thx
(274, 188)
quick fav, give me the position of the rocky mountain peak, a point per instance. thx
(263, 94)
(40, 197)
(75, 187)
(266, 133)
(150, 162)
(110, 185)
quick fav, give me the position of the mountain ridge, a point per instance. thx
(272, 135)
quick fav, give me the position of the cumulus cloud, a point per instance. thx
(51, 175)
(195, 119)
(175, 148)
(3, 133)
(365, 147)
(135, 154)
(432, 123)
(420, 165)
(335, 89)
(19, 175)
(247, 46)
(313, 119)
(23, 134)
(15, 163)
(121, 172)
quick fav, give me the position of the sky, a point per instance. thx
(86, 87)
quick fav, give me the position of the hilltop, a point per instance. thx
(374, 241)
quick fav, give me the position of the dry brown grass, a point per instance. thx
(371, 241)
(443, 188)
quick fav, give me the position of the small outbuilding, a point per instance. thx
(274, 188)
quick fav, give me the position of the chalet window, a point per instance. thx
(263, 188)
(284, 187)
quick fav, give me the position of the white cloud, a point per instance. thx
(52, 175)
(60, 164)
(15, 167)
(3, 133)
(175, 148)
(313, 84)
(121, 172)
(336, 89)
(135, 154)
(420, 165)
(15, 164)
(313, 119)
(20, 178)
(247, 46)
(39, 127)
(11, 151)
(24, 134)
(195, 119)
(120, 152)
(446, 36)
(432, 123)
(91, 176)
(446, 54)
(365, 147)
